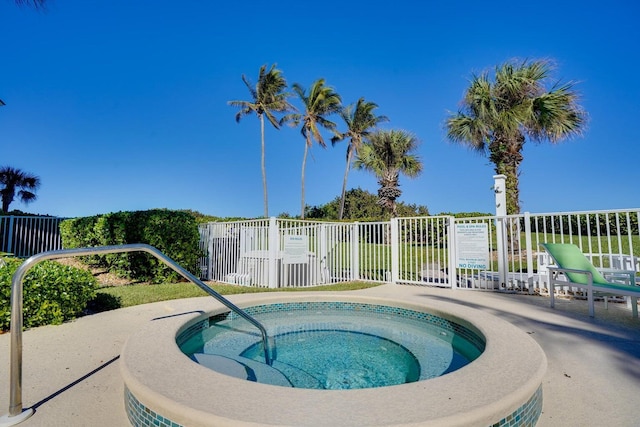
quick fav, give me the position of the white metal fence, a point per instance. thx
(423, 250)
(294, 253)
(23, 236)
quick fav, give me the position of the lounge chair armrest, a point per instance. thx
(613, 274)
(616, 270)
(555, 270)
(569, 270)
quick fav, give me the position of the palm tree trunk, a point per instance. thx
(7, 197)
(512, 188)
(344, 185)
(506, 155)
(304, 164)
(264, 170)
(509, 166)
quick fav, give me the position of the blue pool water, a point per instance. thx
(333, 345)
(338, 359)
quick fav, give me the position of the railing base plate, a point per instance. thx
(6, 420)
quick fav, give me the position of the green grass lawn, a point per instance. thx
(125, 296)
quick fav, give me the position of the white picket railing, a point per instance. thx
(610, 239)
(289, 253)
(423, 250)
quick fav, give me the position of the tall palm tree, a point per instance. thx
(498, 115)
(269, 96)
(320, 102)
(16, 180)
(387, 154)
(360, 120)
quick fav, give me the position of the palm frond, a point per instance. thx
(468, 130)
(250, 87)
(557, 115)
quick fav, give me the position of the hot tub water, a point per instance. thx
(332, 347)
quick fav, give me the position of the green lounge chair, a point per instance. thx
(581, 273)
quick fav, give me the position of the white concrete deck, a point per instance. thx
(72, 376)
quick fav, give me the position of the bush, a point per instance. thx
(174, 233)
(52, 293)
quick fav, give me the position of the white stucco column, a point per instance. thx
(500, 191)
(499, 188)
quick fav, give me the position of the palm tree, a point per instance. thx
(267, 97)
(387, 154)
(14, 179)
(320, 102)
(360, 121)
(497, 116)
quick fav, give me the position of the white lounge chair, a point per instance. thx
(580, 272)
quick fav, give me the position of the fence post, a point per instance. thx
(527, 239)
(355, 251)
(324, 255)
(499, 188)
(209, 246)
(451, 243)
(274, 248)
(395, 250)
(10, 236)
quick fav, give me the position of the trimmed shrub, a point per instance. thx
(52, 293)
(174, 233)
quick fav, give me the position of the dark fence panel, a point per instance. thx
(23, 236)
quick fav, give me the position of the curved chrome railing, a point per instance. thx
(16, 413)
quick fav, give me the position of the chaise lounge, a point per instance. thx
(580, 272)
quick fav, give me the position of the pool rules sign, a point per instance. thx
(295, 249)
(472, 246)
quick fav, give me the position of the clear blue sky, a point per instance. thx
(122, 105)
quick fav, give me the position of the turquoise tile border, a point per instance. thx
(462, 331)
(140, 416)
(525, 416)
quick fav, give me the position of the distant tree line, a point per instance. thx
(361, 205)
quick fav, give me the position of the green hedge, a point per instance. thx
(586, 224)
(174, 233)
(52, 293)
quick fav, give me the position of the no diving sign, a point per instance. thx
(472, 246)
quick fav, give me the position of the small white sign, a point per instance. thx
(472, 246)
(296, 249)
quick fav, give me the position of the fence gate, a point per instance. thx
(422, 248)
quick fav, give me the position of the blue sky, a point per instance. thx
(122, 105)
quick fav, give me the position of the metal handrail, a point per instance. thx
(15, 381)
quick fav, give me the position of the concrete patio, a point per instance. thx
(71, 372)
